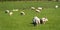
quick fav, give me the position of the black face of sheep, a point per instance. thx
(6, 12)
(41, 22)
(21, 13)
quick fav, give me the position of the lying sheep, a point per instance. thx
(39, 8)
(56, 6)
(7, 11)
(15, 10)
(22, 13)
(10, 13)
(32, 8)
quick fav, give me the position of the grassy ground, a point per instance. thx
(18, 22)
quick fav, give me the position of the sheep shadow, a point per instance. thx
(34, 24)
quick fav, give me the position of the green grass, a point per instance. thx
(18, 22)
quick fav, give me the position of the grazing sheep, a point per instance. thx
(32, 8)
(44, 19)
(10, 13)
(56, 6)
(7, 11)
(22, 13)
(15, 10)
(37, 10)
(40, 8)
(36, 21)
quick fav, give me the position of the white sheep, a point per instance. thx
(10, 13)
(36, 20)
(15, 10)
(22, 13)
(37, 10)
(33, 8)
(56, 6)
(7, 11)
(44, 19)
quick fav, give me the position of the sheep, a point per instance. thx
(56, 6)
(39, 8)
(22, 13)
(44, 19)
(7, 11)
(36, 20)
(10, 13)
(32, 8)
(15, 10)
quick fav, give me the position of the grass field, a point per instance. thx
(18, 22)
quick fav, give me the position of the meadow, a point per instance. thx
(19, 22)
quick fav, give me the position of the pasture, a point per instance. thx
(19, 22)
